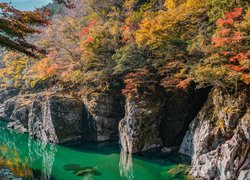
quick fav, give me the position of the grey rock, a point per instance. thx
(140, 129)
(17, 126)
(56, 119)
(102, 115)
(7, 175)
(218, 138)
(7, 93)
(159, 119)
(53, 118)
(7, 108)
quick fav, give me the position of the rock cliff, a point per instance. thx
(159, 119)
(218, 139)
(61, 118)
(50, 117)
(102, 115)
(217, 125)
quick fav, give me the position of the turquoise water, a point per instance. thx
(32, 159)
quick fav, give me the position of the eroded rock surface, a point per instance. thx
(55, 118)
(7, 93)
(102, 116)
(140, 129)
(218, 139)
(159, 119)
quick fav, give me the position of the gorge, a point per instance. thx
(212, 131)
(125, 89)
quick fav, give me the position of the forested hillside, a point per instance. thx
(97, 45)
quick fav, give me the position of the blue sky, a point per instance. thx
(27, 4)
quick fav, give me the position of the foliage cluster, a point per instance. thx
(98, 45)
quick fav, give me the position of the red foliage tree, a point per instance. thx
(15, 25)
(139, 82)
(233, 43)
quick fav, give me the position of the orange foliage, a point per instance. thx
(139, 79)
(184, 84)
(84, 33)
(171, 81)
(246, 78)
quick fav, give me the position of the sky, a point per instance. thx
(27, 4)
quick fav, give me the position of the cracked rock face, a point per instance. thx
(140, 129)
(102, 115)
(218, 139)
(50, 117)
(62, 118)
(7, 93)
(158, 119)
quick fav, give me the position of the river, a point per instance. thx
(28, 158)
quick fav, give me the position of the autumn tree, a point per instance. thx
(13, 74)
(229, 62)
(15, 25)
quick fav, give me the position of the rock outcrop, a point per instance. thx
(140, 129)
(159, 119)
(61, 118)
(7, 93)
(102, 115)
(218, 140)
(55, 118)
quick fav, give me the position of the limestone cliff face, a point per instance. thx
(62, 118)
(50, 117)
(140, 129)
(7, 93)
(218, 139)
(102, 115)
(159, 119)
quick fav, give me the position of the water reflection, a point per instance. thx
(31, 159)
(24, 157)
(126, 166)
(46, 152)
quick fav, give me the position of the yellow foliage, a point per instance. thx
(172, 4)
(155, 30)
(15, 67)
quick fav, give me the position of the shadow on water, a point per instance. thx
(104, 148)
(155, 156)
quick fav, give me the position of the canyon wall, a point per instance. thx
(218, 140)
(210, 126)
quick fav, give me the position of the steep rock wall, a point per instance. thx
(140, 128)
(218, 140)
(102, 115)
(159, 119)
(50, 117)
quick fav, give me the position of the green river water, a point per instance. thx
(32, 159)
